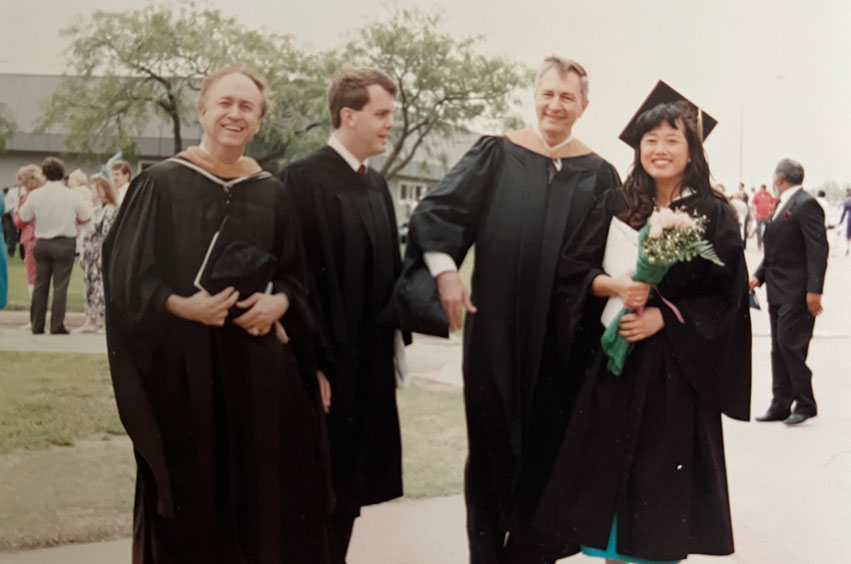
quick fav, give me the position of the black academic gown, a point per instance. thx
(517, 391)
(647, 446)
(229, 454)
(349, 228)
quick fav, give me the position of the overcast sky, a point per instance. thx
(773, 72)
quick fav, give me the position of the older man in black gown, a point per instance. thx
(518, 199)
(227, 448)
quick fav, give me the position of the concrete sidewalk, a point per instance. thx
(790, 488)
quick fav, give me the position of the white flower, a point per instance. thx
(682, 219)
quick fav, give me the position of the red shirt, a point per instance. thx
(763, 203)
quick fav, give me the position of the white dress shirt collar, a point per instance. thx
(553, 147)
(784, 198)
(556, 162)
(347, 155)
(686, 192)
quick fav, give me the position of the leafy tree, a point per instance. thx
(298, 120)
(7, 126)
(444, 84)
(130, 67)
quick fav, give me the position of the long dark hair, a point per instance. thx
(640, 188)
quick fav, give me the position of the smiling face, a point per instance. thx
(665, 151)
(230, 114)
(366, 130)
(558, 104)
(119, 177)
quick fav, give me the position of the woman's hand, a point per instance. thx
(263, 311)
(636, 327)
(634, 294)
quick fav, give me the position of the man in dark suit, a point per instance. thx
(348, 224)
(794, 266)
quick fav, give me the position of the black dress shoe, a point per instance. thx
(60, 331)
(797, 418)
(771, 415)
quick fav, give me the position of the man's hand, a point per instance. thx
(636, 327)
(454, 298)
(634, 294)
(263, 311)
(814, 303)
(753, 284)
(324, 390)
(202, 307)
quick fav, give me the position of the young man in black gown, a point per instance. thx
(349, 227)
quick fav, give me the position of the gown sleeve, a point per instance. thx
(290, 275)
(577, 311)
(310, 223)
(446, 219)
(138, 288)
(713, 345)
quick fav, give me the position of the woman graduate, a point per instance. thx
(640, 476)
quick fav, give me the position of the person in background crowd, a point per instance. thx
(846, 212)
(821, 198)
(29, 178)
(763, 203)
(78, 182)
(57, 212)
(740, 206)
(11, 233)
(104, 212)
(4, 274)
(120, 179)
(793, 267)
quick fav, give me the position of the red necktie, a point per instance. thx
(362, 171)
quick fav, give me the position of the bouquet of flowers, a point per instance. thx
(667, 238)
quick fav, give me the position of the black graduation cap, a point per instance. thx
(664, 94)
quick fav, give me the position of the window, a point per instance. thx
(411, 192)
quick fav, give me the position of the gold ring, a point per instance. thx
(255, 331)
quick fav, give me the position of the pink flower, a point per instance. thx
(656, 227)
(682, 219)
(665, 218)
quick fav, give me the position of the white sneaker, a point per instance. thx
(85, 328)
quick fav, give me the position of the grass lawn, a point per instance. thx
(68, 469)
(19, 299)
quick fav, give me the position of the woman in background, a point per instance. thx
(29, 178)
(90, 256)
(78, 181)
